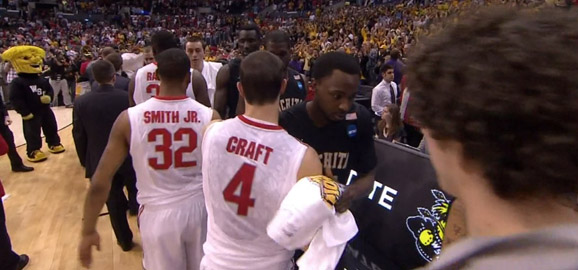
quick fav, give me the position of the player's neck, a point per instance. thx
(199, 67)
(316, 115)
(172, 90)
(499, 217)
(267, 112)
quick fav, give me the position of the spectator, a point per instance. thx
(504, 140)
(390, 127)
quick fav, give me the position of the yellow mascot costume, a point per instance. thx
(31, 96)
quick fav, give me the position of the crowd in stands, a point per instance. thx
(370, 32)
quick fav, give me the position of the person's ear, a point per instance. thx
(240, 88)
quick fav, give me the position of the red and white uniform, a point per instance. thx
(147, 85)
(248, 168)
(165, 142)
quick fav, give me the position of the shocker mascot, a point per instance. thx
(31, 96)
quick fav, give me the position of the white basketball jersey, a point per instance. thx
(147, 85)
(248, 168)
(166, 135)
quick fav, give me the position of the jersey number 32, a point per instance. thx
(165, 148)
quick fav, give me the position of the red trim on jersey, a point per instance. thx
(171, 98)
(257, 124)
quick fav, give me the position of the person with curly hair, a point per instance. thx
(497, 97)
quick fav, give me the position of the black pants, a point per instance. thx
(15, 160)
(130, 183)
(414, 136)
(8, 259)
(117, 205)
(44, 119)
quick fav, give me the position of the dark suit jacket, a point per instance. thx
(120, 83)
(93, 116)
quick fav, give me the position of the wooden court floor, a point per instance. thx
(44, 211)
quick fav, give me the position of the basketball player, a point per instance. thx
(339, 129)
(146, 84)
(164, 135)
(263, 162)
(226, 94)
(196, 51)
(278, 43)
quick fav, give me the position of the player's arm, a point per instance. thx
(364, 166)
(240, 105)
(131, 84)
(200, 89)
(114, 155)
(221, 91)
(310, 165)
(214, 119)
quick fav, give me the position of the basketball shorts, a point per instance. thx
(173, 235)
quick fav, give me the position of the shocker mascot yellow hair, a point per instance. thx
(31, 95)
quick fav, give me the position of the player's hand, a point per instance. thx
(7, 121)
(45, 99)
(28, 117)
(351, 193)
(85, 248)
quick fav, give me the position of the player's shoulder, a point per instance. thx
(361, 111)
(295, 113)
(147, 68)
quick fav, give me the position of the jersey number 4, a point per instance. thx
(165, 148)
(244, 178)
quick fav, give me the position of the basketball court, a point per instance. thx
(44, 208)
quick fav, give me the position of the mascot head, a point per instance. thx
(25, 59)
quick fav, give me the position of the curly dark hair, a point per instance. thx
(504, 84)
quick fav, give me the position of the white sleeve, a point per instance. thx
(377, 100)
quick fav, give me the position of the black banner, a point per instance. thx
(402, 221)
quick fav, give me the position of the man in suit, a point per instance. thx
(94, 114)
(15, 160)
(121, 82)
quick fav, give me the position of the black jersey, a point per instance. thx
(342, 146)
(295, 92)
(232, 92)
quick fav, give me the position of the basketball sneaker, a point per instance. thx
(36, 156)
(55, 149)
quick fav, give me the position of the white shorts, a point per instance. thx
(173, 235)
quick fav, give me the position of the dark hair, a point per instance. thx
(278, 36)
(395, 54)
(251, 27)
(107, 51)
(503, 84)
(163, 40)
(384, 68)
(173, 65)
(396, 124)
(326, 63)
(262, 74)
(103, 71)
(194, 39)
(115, 59)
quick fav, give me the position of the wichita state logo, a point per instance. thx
(428, 227)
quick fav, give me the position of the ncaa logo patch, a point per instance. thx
(351, 131)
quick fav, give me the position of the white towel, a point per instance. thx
(307, 216)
